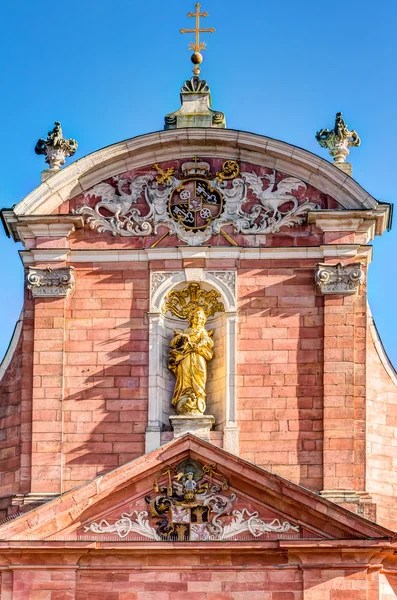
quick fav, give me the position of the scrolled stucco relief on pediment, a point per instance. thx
(195, 200)
(192, 502)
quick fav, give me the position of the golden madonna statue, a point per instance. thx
(192, 348)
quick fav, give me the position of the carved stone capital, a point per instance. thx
(339, 279)
(49, 282)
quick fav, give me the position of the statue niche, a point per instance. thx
(191, 348)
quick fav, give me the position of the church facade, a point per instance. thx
(195, 399)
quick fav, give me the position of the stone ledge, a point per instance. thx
(360, 503)
(27, 502)
(199, 426)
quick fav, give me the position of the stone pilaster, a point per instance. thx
(344, 385)
(50, 288)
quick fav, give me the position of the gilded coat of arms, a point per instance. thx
(192, 502)
(195, 204)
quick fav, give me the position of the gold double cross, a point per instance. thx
(197, 46)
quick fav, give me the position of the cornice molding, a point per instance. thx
(371, 222)
(65, 255)
(27, 227)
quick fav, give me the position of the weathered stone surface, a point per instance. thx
(199, 426)
(281, 567)
(196, 108)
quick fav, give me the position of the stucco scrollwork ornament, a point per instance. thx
(338, 140)
(55, 148)
(339, 279)
(49, 282)
(157, 279)
(195, 205)
(228, 278)
(267, 217)
(191, 503)
(116, 211)
(134, 522)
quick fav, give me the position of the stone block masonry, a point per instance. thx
(300, 378)
(280, 369)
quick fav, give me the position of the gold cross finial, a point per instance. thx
(197, 46)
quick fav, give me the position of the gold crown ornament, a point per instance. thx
(196, 168)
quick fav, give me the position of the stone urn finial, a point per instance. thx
(56, 149)
(338, 140)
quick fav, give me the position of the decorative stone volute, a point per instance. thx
(196, 108)
(49, 282)
(338, 141)
(56, 149)
(339, 279)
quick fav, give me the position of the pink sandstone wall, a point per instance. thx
(101, 422)
(301, 366)
(381, 431)
(280, 369)
(10, 429)
(388, 586)
(106, 370)
(15, 418)
(90, 384)
(111, 577)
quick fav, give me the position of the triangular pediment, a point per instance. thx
(190, 490)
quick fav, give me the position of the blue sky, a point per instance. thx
(112, 70)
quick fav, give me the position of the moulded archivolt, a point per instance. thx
(169, 145)
(162, 282)
(227, 282)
